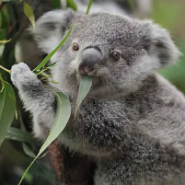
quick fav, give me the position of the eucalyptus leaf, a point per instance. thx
(89, 6)
(1, 49)
(2, 94)
(85, 85)
(7, 109)
(20, 135)
(3, 34)
(0, 20)
(28, 150)
(29, 13)
(51, 66)
(48, 57)
(62, 116)
(71, 4)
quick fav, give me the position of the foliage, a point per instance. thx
(29, 13)
(8, 97)
(85, 85)
(18, 139)
(48, 57)
(71, 4)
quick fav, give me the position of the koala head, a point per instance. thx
(118, 52)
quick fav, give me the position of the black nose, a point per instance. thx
(90, 57)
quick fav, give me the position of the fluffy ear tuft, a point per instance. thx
(51, 27)
(162, 48)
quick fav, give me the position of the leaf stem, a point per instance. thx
(45, 77)
(2, 88)
(51, 89)
(42, 71)
(51, 82)
(3, 68)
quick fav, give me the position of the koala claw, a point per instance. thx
(21, 74)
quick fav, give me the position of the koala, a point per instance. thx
(26, 48)
(132, 122)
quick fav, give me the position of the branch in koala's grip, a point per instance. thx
(7, 70)
(41, 71)
(48, 57)
(45, 77)
(51, 82)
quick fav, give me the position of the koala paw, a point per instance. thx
(21, 74)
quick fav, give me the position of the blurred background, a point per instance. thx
(14, 155)
(171, 15)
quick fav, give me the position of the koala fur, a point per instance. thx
(132, 123)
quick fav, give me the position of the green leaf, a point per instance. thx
(71, 4)
(20, 135)
(2, 88)
(51, 66)
(85, 85)
(0, 20)
(89, 6)
(3, 34)
(47, 58)
(29, 13)
(4, 41)
(7, 109)
(28, 150)
(61, 119)
(56, 4)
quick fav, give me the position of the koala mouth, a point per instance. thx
(87, 71)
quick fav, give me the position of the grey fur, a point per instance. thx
(133, 121)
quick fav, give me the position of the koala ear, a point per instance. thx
(51, 27)
(160, 45)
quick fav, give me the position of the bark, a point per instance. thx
(71, 168)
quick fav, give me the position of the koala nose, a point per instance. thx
(90, 57)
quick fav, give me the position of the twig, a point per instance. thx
(8, 71)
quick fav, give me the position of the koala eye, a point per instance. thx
(116, 55)
(75, 46)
